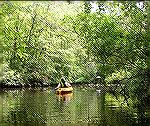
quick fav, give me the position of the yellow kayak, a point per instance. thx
(64, 90)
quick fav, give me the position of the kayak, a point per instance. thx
(64, 90)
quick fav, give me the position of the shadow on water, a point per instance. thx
(83, 107)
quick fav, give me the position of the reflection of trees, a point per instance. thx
(101, 109)
(34, 107)
(29, 111)
(33, 103)
(1, 106)
(109, 114)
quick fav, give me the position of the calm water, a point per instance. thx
(84, 107)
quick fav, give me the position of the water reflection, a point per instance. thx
(65, 97)
(81, 108)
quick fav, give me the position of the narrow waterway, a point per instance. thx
(83, 107)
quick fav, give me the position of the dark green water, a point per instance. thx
(85, 107)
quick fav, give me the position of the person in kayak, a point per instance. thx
(63, 83)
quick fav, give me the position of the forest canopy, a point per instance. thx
(81, 40)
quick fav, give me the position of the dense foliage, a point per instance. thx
(43, 40)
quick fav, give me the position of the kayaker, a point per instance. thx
(63, 83)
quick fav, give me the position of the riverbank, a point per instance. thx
(3, 85)
(99, 87)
